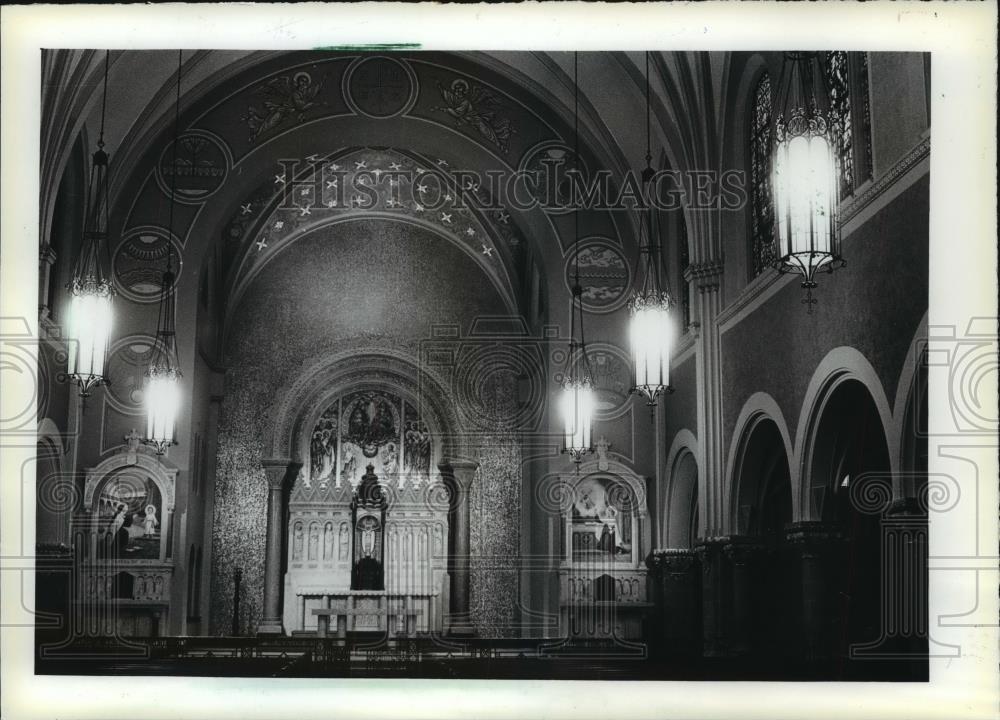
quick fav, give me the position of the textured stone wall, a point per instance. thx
(496, 510)
(366, 284)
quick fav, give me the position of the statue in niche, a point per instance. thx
(343, 542)
(438, 542)
(328, 542)
(313, 541)
(368, 507)
(297, 542)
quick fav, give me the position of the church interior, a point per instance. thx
(483, 364)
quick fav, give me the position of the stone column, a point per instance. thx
(705, 275)
(277, 470)
(46, 259)
(745, 556)
(714, 596)
(817, 548)
(676, 579)
(458, 475)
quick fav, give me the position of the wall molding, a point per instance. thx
(890, 177)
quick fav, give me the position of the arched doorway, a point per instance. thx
(763, 592)
(851, 483)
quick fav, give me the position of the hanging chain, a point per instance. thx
(173, 167)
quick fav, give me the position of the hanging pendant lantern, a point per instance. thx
(577, 401)
(163, 377)
(806, 173)
(651, 331)
(163, 386)
(91, 292)
(650, 325)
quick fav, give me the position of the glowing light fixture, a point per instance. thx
(651, 326)
(163, 391)
(577, 401)
(91, 292)
(806, 173)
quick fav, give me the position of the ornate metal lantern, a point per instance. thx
(651, 327)
(577, 401)
(806, 173)
(163, 391)
(91, 292)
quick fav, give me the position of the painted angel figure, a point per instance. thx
(150, 522)
(477, 107)
(284, 97)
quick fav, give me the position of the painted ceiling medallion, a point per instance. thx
(201, 168)
(604, 275)
(138, 264)
(380, 87)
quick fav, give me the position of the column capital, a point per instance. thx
(705, 276)
(277, 470)
(672, 560)
(743, 549)
(812, 536)
(460, 470)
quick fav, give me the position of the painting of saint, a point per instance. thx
(128, 510)
(416, 448)
(323, 446)
(602, 517)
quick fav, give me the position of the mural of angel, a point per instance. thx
(479, 108)
(149, 521)
(286, 97)
(416, 450)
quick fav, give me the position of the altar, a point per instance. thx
(367, 552)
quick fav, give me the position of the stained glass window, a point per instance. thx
(761, 210)
(838, 85)
(845, 79)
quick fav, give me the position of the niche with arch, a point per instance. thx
(682, 503)
(604, 541)
(850, 480)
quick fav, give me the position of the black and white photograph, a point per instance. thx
(414, 362)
